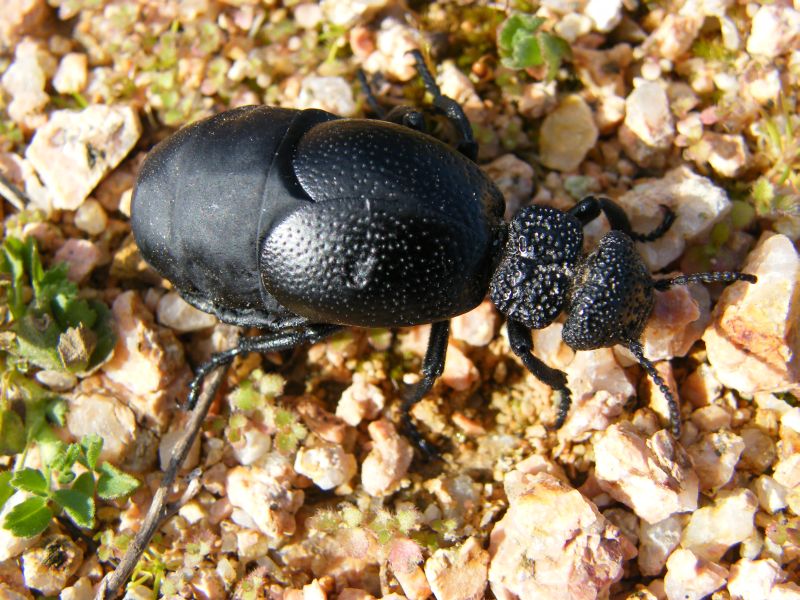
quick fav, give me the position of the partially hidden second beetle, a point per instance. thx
(301, 223)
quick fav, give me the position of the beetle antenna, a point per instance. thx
(725, 276)
(674, 412)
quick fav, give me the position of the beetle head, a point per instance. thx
(533, 280)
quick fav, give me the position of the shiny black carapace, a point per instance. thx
(302, 222)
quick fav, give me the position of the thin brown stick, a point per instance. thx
(112, 584)
(12, 193)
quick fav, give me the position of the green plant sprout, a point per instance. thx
(47, 324)
(777, 191)
(522, 45)
(70, 480)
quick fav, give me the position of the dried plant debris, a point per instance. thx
(302, 483)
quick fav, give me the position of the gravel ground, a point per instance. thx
(301, 483)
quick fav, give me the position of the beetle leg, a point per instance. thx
(674, 412)
(273, 342)
(519, 337)
(452, 109)
(725, 276)
(591, 206)
(374, 105)
(432, 367)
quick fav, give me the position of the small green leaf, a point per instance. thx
(113, 483)
(78, 506)
(526, 51)
(12, 433)
(30, 480)
(29, 518)
(57, 410)
(6, 491)
(84, 484)
(92, 446)
(554, 51)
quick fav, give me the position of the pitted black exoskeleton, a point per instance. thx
(302, 223)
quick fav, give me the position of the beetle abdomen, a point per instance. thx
(197, 204)
(402, 229)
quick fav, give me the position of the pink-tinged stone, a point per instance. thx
(148, 363)
(388, 461)
(362, 400)
(715, 456)
(652, 476)
(754, 579)
(692, 578)
(458, 573)
(554, 543)
(478, 326)
(753, 342)
(263, 499)
(74, 150)
(81, 256)
(713, 529)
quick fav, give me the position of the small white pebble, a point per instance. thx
(91, 217)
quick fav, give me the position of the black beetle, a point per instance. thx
(302, 222)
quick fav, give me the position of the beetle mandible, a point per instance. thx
(302, 223)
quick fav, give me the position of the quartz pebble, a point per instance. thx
(726, 153)
(648, 130)
(692, 578)
(606, 14)
(754, 579)
(96, 410)
(91, 217)
(332, 94)
(750, 342)
(74, 150)
(393, 41)
(48, 566)
(713, 529)
(656, 543)
(148, 363)
(328, 466)
(81, 257)
(25, 81)
(698, 204)
(554, 543)
(388, 461)
(599, 389)
(71, 75)
(774, 31)
(652, 476)
(715, 456)
(514, 178)
(458, 573)
(19, 18)
(771, 494)
(478, 326)
(678, 320)
(263, 498)
(174, 312)
(567, 134)
(347, 13)
(361, 400)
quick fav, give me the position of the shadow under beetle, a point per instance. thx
(302, 223)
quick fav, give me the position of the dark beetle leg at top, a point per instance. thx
(432, 368)
(273, 342)
(519, 338)
(591, 206)
(452, 109)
